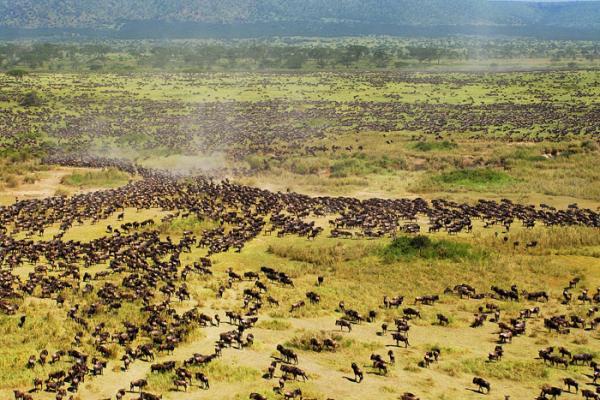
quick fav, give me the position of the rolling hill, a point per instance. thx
(266, 17)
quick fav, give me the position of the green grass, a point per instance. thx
(321, 254)
(274, 325)
(360, 164)
(515, 370)
(437, 146)
(191, 223)
(406, 248)
(109, 177)
(476, 179)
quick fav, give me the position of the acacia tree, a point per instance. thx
(17, 73)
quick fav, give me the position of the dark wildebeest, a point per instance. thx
(342, 323)
(358, 374)
(553, 391)
(482, 384)
(139, 383)
(399, 337)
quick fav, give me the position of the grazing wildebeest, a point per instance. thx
(482, 384)
(536, 296)
(203, 379)
(584, 358)
(399, 337)
(293, 394)
(392, 357)
(442, 320)
(256, 396)
(139, 383)
(588, 394)
(497, 354)
(553, 391)
(288, 355)
(394, 302)
(408, 396)
(297, 306)
(380, 366)
(342, 323)
(411, 312)
(294, 371)
(180, 382)
(570, 382)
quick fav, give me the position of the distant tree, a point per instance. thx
(381, 58)
(355, 52)
(17, 73)
(295, 61)
(320, 55)
(344, 58)
(422, 53)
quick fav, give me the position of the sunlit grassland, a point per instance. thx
(359, 272)
(324, 86)
(355, 271)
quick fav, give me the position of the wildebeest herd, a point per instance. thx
(144, 268)
(277, 127)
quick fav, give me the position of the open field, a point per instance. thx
(113, 244)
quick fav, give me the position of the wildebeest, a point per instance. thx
(553, 391)
(570, 382)
(139, 383)
(342, 323)
(399, 337)
(482, 384)
(358, 374)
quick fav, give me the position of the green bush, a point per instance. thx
(103, 178)
(476, 179)
(429, 146)
(405, 247)
(17, 73)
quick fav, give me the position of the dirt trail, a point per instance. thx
(46, 186)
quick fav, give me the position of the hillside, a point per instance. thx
(314, 16)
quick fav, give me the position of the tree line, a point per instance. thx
(382, 54)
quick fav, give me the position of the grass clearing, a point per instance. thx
(108, 177)
(477, 179)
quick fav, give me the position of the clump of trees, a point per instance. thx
(16, 73)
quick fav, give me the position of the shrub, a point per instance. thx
(103, 178)
(476, 179)
(11, 181)
(17, 73)
(420, 246)
(429, 146)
